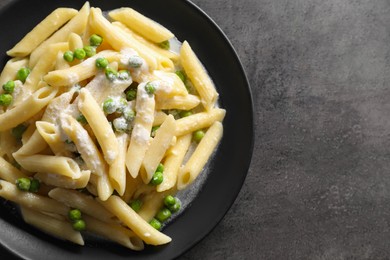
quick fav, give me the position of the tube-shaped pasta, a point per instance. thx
(120, 41)
(34, 145)
(77, 25)
(151, 204)
(75, 41)
(140, 136)
(10, 192)
(187, 102)
(50, 164)
(44, 65)
(131, 219)
(8, 172)
(99, 124)
(198, 121)
(42, 31)
(84, 144)
(199, 158)
(51, 225)
(173, 161)
(27, 109)
(143, 25)
(83, 202)
(57, 180)
(114, 232)
(52, 135)
(167, 53)
(77, 73)
(157, 148)
(117, 171)
(198, 76)
(10, 69)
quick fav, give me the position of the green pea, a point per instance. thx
(131, 94)
(128, 114)
(18, 131)
(101, 63)
(95, 40)
(157, 178)
(68, 56)
(155, 223)
(136, 205)
(23, 184)
(185, 113)
(198, 135)
(150, 89)
(154, 130)
(181, 75)
(163, 215)
(35, 185)
(109, 106)
(22, 74)
(165, 45)
(120, 124)
(169, 201)
(111, 74)
(9, 87)
(124, 75)
(135, 61)
(175, 207)
(79, 53)
(79, 225)
(89, 50)
(160, 167)
(81, 119)
(74, 214)
(5, 99)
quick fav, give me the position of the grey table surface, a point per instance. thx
(318, 185)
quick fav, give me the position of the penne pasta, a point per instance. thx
(132, 220)
(42, 31)
(198, 159)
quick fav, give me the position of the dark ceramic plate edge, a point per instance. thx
(238, 187)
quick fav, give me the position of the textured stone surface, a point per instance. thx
(318, 186)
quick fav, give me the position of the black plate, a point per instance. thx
(227, 171)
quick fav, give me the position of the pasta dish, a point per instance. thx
(104, 117)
